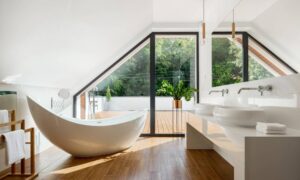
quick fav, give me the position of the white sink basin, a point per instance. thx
(205, 109)
(239, 116)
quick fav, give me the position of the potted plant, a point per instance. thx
(177, 91)
(108, 94)
(107, 98)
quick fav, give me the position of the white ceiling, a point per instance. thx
(248, 10)
(65, 43)
(177, 11)
(57, 42)
(275, 23)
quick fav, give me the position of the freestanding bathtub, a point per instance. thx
(85, 138)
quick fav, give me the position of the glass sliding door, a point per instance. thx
(175, 62)
(134, 81)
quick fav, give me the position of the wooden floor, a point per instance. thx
(165, 120)
(149, 158)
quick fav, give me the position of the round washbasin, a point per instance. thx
(239, 116)
(204, 109)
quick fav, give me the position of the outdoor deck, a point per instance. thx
(163, 124)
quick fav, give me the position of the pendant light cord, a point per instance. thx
(233, 16)
(203, 23)
(203, 11)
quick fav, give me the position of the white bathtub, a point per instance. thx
(85, 138)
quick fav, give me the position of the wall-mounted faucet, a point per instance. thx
(260, 89)
(223, 91)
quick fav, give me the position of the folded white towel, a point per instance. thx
(266, 131)
(15, 144)
(271, 126)
(4, 118)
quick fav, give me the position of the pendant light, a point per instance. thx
(233, 25)
(203, 23)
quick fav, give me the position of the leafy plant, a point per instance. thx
(108, 94)
(177, 91)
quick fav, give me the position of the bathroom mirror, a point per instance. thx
(257, 40)
(8, 100)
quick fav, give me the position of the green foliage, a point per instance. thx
(108, 94)
(257, 71)
(227, 63)
(174, 60)
(132, 78)
(178, 91)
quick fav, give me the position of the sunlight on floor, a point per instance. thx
(141, 144)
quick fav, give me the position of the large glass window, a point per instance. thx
(227, 60)
(230, 63)
(126, 82)
(131, 78)
(263, 63)
(132, 83)
(175, 61)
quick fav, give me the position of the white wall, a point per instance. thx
(278, 29)
(282, 105)
(285, 93)
(43, 96)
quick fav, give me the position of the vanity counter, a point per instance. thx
(253, 155)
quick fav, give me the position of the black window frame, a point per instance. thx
(245, 46)
(150, 37)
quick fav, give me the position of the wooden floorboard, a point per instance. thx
(163, 123)
(149, 158)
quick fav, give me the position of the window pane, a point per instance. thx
(257, 71)
(227, 60)
(263, 64)
(123, 89)
(131, 78)
(175, 61)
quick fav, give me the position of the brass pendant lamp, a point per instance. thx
(203, 23)
(233, 26)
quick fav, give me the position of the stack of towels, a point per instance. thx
(271, 128)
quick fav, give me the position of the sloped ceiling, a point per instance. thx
(64, 43)
(275, 23)
(57, 42)
(278, 27)
(248, 10)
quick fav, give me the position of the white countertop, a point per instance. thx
(213, 123)
(230, 136)
(229, 141)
